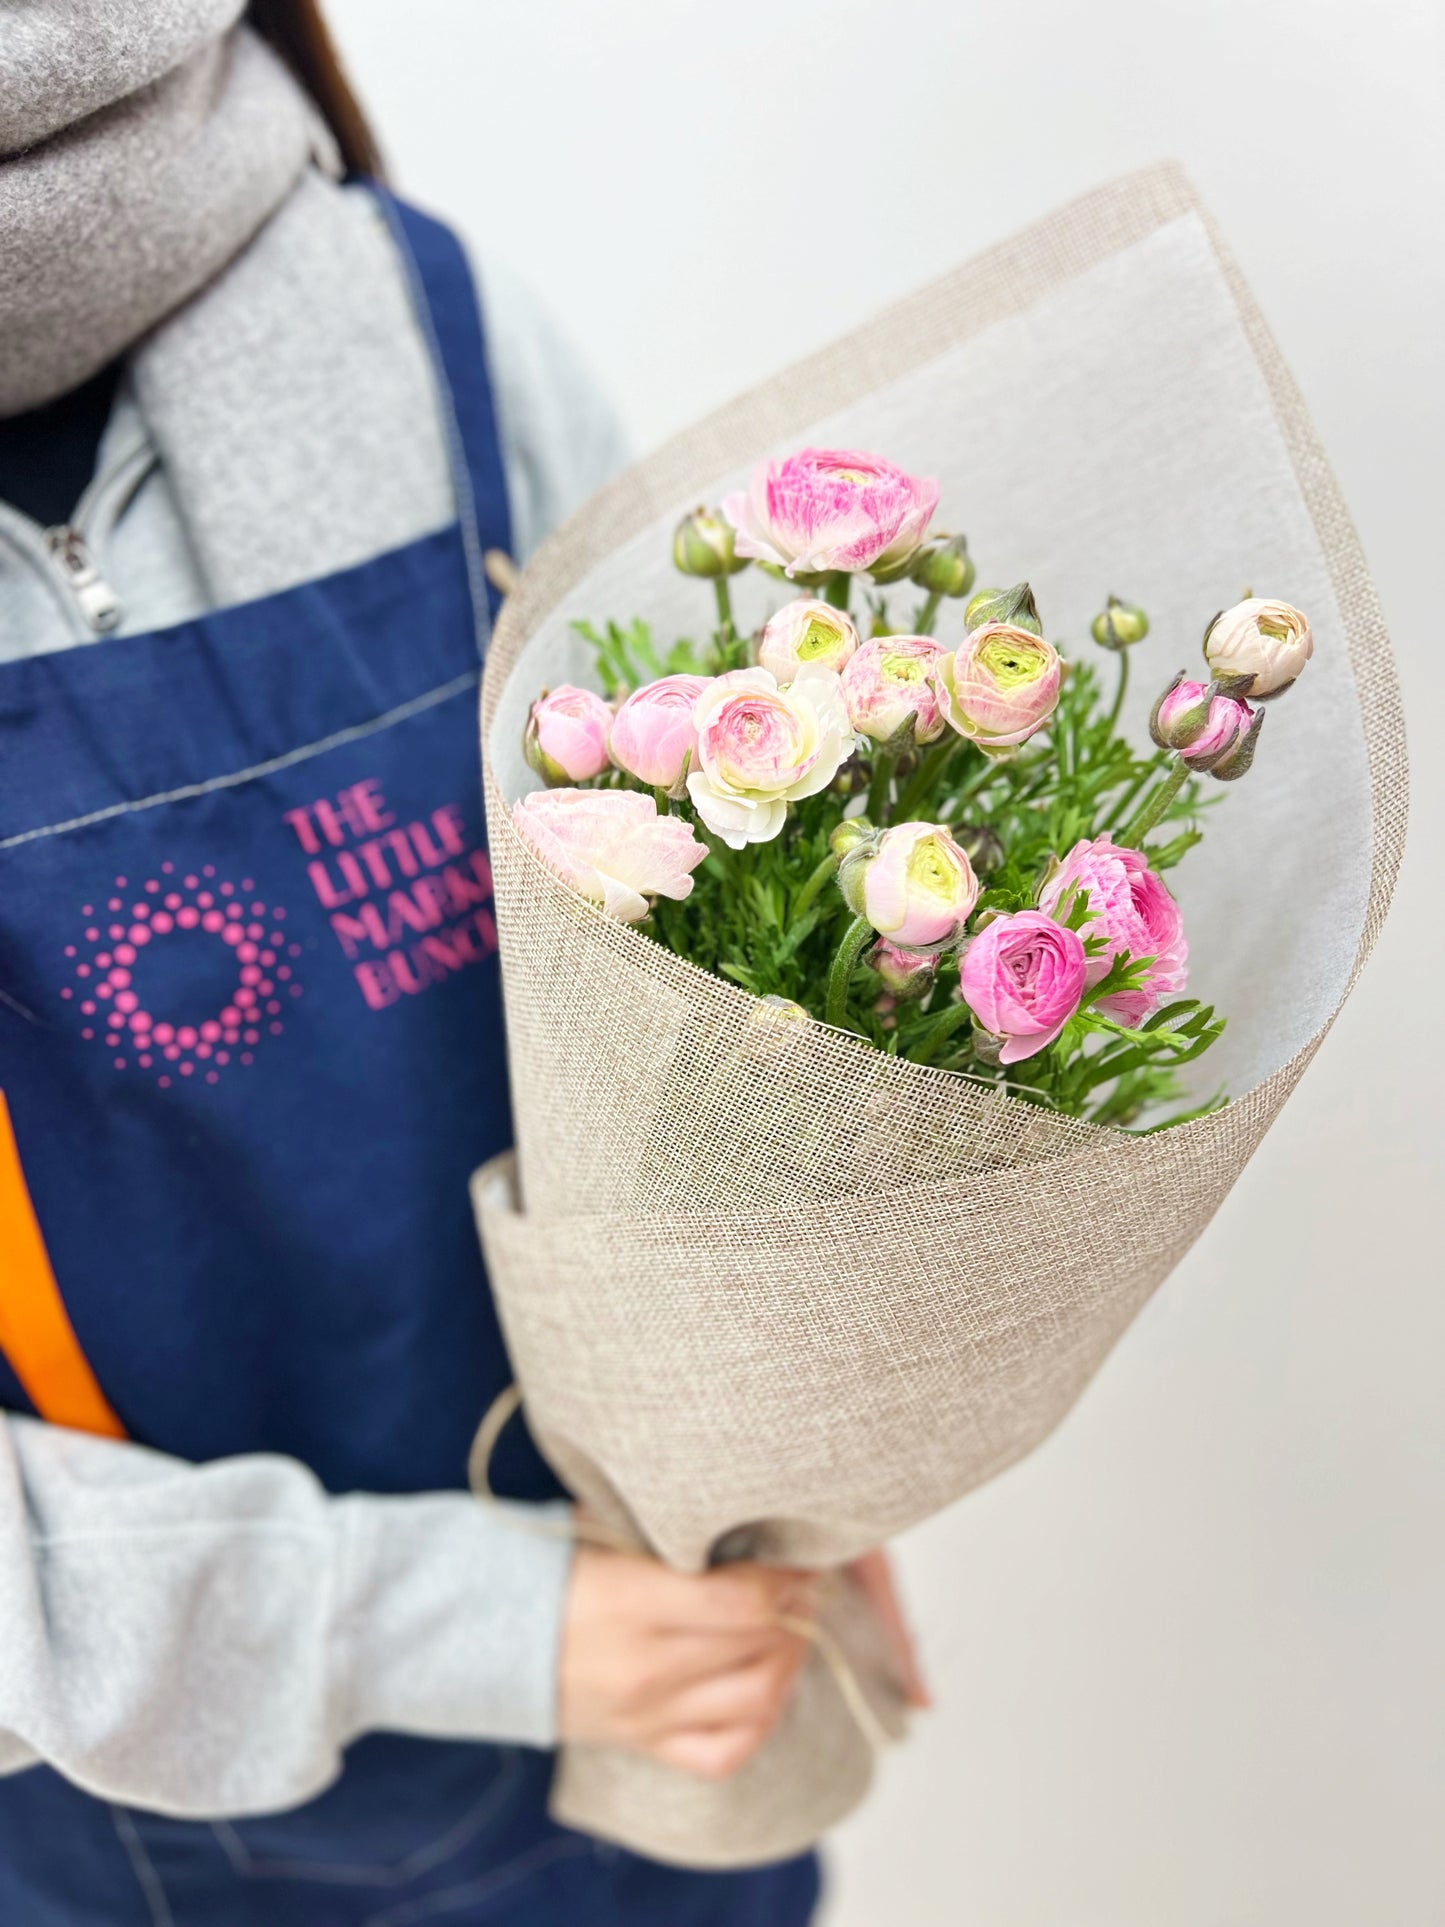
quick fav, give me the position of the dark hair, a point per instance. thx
(297, 31)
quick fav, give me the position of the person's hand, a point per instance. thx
(694, 1670)
(874, 1574)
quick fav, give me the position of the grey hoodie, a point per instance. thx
(204, 1640)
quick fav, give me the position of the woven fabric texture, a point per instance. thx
(768, 1290)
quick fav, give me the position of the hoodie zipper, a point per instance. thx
(66, 555)
(99, 605)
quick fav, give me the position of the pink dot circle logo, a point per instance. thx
(129, 926)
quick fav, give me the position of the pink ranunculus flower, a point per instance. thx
(1022, 977)
(831, 508)
(913, 884)
(1202, 726)
(566, 737)
(611, 846)
(1258, 647)
(806, 631)
(653, 736)
(1000, 685)
(760, 748)
(890, 679)
(1130, 908)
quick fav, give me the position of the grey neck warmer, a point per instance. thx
(142, 144)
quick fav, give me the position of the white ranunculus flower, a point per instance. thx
(760, 748)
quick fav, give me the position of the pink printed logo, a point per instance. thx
(123, 964)
(409, 902)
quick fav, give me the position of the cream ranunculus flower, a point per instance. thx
(611, 846)
(760, 748)
(1258, 648)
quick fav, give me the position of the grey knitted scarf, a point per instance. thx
(142, 144)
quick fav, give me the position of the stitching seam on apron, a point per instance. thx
(451, 428)
(254, 1866)
(442, 693)
(146, 1875)
(509, 1874)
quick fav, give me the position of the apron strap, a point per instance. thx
(36, 1334)
(444, 296)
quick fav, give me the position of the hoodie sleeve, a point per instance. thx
(205, 1640)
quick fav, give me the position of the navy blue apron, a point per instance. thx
(251, 1045)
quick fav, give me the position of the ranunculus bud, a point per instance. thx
(760, 748)
(985, 852)
(907, 973)
(611, 846)
(831, 508)
(913, 884)
(773, 1024)
(1015, 606)
(1203, 726)
(1000, 685)
(848, 834)
(566, 735)
(1257, 648)
(704, 544)
(1022, 978)
(806, 631)
(1119, 624)
(652, 735)
(943, 566)
(1236, 762)
(890, 682)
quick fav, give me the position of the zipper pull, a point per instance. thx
(97, 601)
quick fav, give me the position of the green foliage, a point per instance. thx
(771, 918)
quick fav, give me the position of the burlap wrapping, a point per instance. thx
(765, 1288)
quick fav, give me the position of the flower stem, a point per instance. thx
(930, 768)
(883, 764)
(945, 1027)
(1133, 833)
(855, 940)
(837, 589)
(1119, 691)
(804, 899)
(928, 614)
(724, 608)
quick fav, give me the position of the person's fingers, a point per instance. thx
(728, 1599)
(755, 1694)
(668, 1665)
(874, 1574)
(713, 1753)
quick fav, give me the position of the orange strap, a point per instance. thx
(36, 1334)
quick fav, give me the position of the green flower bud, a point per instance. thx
(1014, 605)
(986, 1046)
(856, 856)
(703, 545)
(907, 974)
(943, 566)
(1119, 624)
(852, 831)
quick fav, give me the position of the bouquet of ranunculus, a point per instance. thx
(843, 935)
(942, 848)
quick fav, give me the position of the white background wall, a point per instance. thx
(1188, 1658)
